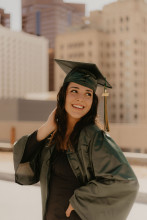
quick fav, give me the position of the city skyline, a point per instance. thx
(14, 8)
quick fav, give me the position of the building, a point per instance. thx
(4, 18)
(116, 40)
(23, 64)
(48, 18)
(25, 109)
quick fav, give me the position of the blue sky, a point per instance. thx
(14, 7)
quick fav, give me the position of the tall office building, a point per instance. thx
(23, 64)
(4, 18)
(49, 18)
(116, 40)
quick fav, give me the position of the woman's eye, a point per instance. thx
(88, 94)
(74, 91)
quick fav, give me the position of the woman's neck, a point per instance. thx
(70, 125)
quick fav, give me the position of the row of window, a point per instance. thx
(121, 64)
(121, 106)
(121, 95)
(122, 43)
(121, 116)
(121, 20)
(75, 45)
(121, 53)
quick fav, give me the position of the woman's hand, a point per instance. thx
(68, 211)
(47, 127)
(51, 120)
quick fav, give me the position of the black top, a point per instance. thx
(63, 182)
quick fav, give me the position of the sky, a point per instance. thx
(14, 8)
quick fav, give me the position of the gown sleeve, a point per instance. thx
(112, 192)
(26, 156)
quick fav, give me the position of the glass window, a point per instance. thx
(121, 19)
(121, 116)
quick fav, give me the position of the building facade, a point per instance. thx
(23, 64)
(4, 18)
(116, 40)
(50, 17)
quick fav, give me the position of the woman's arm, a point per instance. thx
(27, 151)
(37, 139)
(111, 194)
(48, 127)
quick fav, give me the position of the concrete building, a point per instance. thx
(23, 64)
(116, 40)
(22, 116)
(25, 110)
(4, 18)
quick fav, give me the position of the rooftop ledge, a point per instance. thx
(136, 158)
(133, 158)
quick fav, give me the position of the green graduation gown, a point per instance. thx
(109, 185)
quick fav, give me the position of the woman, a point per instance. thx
(82, 172)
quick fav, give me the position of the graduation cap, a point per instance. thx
(88, 75)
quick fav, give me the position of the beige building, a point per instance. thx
(116, 40)
(23, 64)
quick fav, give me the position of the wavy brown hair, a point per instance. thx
(61, 120)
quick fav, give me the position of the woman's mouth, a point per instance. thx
(78, 106)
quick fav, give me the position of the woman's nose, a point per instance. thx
(80, 97)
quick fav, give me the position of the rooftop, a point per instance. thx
(30, 197)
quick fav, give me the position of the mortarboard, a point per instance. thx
(88, 75)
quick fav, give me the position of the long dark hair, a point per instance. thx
(61, 120)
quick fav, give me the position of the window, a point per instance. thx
(90, 42)
(135, 84)
(135, 41)
(135, 51)
(121, 85)
(113, 105)
(136, 94)
(121, 43)
(121, 53)
(121, 64)
(90, 53)
(121, 116)
(121, 95)
(135, 62)
(113, 116)
(121, 105)
(121, 19)
(135, 116)
(135, 73)
(121, 74)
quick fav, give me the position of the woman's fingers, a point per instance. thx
(68, 211)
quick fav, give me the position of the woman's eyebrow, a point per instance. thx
(74, 87)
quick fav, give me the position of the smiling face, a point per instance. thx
(78, 101)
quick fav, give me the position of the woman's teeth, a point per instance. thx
(78, 106)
